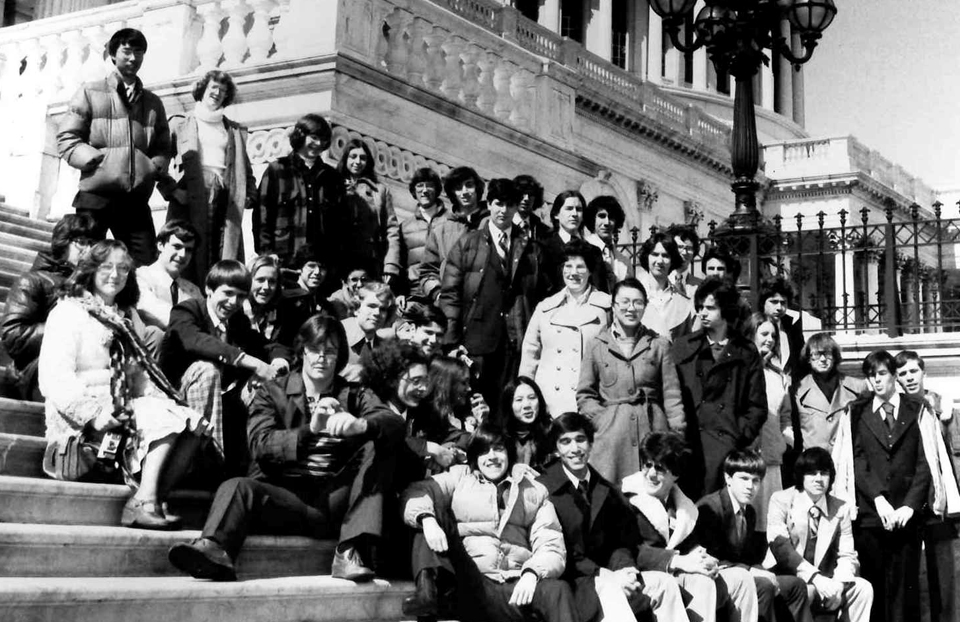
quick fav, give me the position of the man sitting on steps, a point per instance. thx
(34, 294)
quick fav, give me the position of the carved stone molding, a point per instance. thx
(692, 213)
(647, 195)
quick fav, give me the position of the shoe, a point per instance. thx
(144, 515)
(348, 565)
(203, 559)
(423, 603)
(174, 519)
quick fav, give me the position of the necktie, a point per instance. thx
(503, 246)
(888, 416)
(174, 292)
(584, 491)
(813, 529)
(741, 524)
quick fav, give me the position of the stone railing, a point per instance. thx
(829, 156)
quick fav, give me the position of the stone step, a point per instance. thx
(29, 550)
(19, 417)
(36, 500)
(8, 213)
(149, 599)
(13, 266)
(25, 228)
(20, 252)
(21, 455)
(10, 240)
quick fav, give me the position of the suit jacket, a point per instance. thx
(892, 465)
(603, 534)
(788, 530)
(191, 337)
(716, 531)
(660, 538)
(480, 314)
(816, 418)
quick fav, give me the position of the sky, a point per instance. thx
(888, 72)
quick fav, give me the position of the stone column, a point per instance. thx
(638, 15)
(600, 28)
(549, 15)
(909, 315)
(654, 47)
(766, 86)
(784, 99)
(873, 287)
(700, 60)
(798, 109)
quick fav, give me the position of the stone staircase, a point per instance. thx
(64, 557)
(20, 239)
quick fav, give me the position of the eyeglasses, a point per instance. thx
(814, 355)
(630, 304)
(109, 268)
(420, 382)
(656, 466)
(322, 353)
(83, 242)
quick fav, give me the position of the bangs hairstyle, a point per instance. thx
(310, 125)
(220, 77)
(528, 184)
(667, 449)
(268, 261)
(571, 422)
(611, 205)
(455, 178)
(420, 311)
(725, 295)
(368, 170)
(384, 364)
(753, 323)
(744, 461)
(68, 229)
(505, 418)
(907, 356)
(503, 190)
(425, 175)
(810, 461)
(558, 203)
(584, 250)
(821, 342)
(876, 359)
(383, 293)
(484, 438)
(82, 279)
(630, 282)
(178, 227)
(687, 233)
(228, 272)
(669, 245)
(732, 265)
(126, 36)
(320, 330)
(771, 287)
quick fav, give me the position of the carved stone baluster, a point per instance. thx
(471, 75)
(417, 61)
(281, 28)
(50, 75)
(70, 77)
(501, 81)
(488, 94)
(260, 38)
(452, 72)
(95, 66)
(520, 90)
(30, 78)
(397, 43)
(235, 40)
(435, 64)
(209, 47)
(9, 72)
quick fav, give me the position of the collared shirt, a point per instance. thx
(498, 239)
(623, 341)
(894, 400)
(155, 301)
(564, 236)
(218, 324)
(574, 479)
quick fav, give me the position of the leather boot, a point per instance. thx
(423, 603)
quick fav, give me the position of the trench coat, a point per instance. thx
(818, 419)
(557, 336)
(627, 397)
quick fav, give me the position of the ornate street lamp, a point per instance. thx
(735, 34)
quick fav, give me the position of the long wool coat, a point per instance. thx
(627, 397)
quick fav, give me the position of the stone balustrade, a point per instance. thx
(828, 156)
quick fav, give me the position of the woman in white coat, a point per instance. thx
(560, 329)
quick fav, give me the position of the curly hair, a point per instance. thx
(71, 227)
(603, 203)
(83, 278)
(527, 184)
(385, 364)
(456, 178)
(220, 77)
(667, 449)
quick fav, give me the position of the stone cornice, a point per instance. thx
(846, 183)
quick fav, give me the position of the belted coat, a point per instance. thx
(627, 397)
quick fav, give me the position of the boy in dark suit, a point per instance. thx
(726, 528)
(600, 532)
(210, 351)
(892, 480)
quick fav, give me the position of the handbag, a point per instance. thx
(70, 459)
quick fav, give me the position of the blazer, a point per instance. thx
(603, 534)
(890, 465)
(191, 337)
(787, 533)
(817, 418)
(716, 531)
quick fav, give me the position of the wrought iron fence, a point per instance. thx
(862, 273)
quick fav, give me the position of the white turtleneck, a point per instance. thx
(212, 136)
